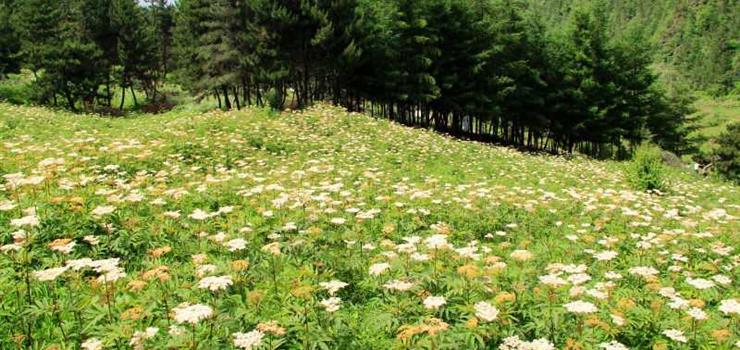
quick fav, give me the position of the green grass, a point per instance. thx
(713, 116)
(338, 193)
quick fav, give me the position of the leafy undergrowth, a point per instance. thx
(324, 229)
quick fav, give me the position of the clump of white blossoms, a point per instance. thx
(700, 283)
(139, 337)
(29, 220)
(675, 335)
(514, 343)
(92, 240)
(485, 311)
(200, 214)
(398, 285)
(215, 283)
(103, 210)
(111, 275)
(643, 271)
(434, 302)
(521, 255)
(236, 244)
(552, 280)
(729, 306)
(581, 307)
(92, 344)
(579, 278)
(331, 304)
(248, 340)
(187, 313)
(377, 269)
(272, 248)
(613, 345)
(617, 320)
(49, 274)
(333, 286)
(605, 255)
(338, 221)
(722, 279)
(697, 313)
(205, 269)
(65, 248)
(437, 241)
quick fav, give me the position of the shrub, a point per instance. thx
(14, 93)
(275, 99)
(727, 155)
(646, 170)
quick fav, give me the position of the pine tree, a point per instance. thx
(190, 27)
(417, 49)
(72, 63)
(9, 40)
(38, 26)
(221, 46)
(162, 22)
(135, 47)
(374, 39)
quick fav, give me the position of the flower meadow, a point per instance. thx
(323, 229)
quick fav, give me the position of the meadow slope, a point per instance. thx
(331, 230)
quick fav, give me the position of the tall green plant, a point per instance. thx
(646, 171)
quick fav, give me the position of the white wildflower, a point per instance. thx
(248, 340)
(485, 311)
(187, 313)
(215, 283)
(675, 335)
(581, 307)
(333, 286)
(331, 304)
(434, 302)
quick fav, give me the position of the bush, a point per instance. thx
(14, 93)
(17, 88)
(727, 155)
(646, 171)
(275, 99)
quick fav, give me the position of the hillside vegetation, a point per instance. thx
(695, 42)
(712, 118)
(323, 229)
(492, 70)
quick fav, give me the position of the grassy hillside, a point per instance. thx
(713, 116)
(224, 229)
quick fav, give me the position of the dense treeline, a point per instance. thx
(79, 50)
(483, 69)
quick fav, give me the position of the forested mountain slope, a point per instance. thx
(694, 40)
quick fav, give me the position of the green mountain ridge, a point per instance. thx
(695, 41)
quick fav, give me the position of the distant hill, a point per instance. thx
(695, 41)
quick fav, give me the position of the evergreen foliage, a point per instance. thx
(577, 79)
(727, 156)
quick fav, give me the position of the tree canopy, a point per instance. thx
(493, 70)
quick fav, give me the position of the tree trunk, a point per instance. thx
(227, 102)
(133, 94)
(236, 98)
(109, 94)
(70, 101)
(123, 97)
